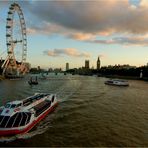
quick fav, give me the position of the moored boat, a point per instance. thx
(33, 82)
(18, 117)
(117, 82)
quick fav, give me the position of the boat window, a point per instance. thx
(25, 118)
(13, 105)
(7, 105)
(18, 105)
(52, 99)
(11, 121)
(4, 121)
(17, 120)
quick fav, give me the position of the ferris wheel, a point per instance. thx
(13, 38)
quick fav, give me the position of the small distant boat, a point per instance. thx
(33, 82)
(117, 82)
(18, 117)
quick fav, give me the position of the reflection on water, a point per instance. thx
(89, 113)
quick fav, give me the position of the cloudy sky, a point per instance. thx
(73, 31)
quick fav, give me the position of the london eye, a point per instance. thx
(16, 42)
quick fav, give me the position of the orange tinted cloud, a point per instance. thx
(67, 51)
(88, 20)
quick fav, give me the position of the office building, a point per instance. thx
(87, 64)
(67, 66)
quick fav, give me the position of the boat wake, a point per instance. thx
(7, 139)
(64, 93)
(43, 127)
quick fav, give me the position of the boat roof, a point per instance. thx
(15, 102)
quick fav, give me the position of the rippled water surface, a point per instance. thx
(89, 113)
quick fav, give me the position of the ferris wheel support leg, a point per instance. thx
(5, 67)
(5, 62)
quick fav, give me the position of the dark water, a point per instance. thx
(89, 113)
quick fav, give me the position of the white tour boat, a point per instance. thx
(19, 117)
(117, 82)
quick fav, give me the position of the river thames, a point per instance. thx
(89, 112)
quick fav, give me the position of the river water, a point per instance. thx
(89, 113)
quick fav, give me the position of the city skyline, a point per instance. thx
(60, 32)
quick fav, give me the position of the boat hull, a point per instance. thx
(28, 127)
(116, 84)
